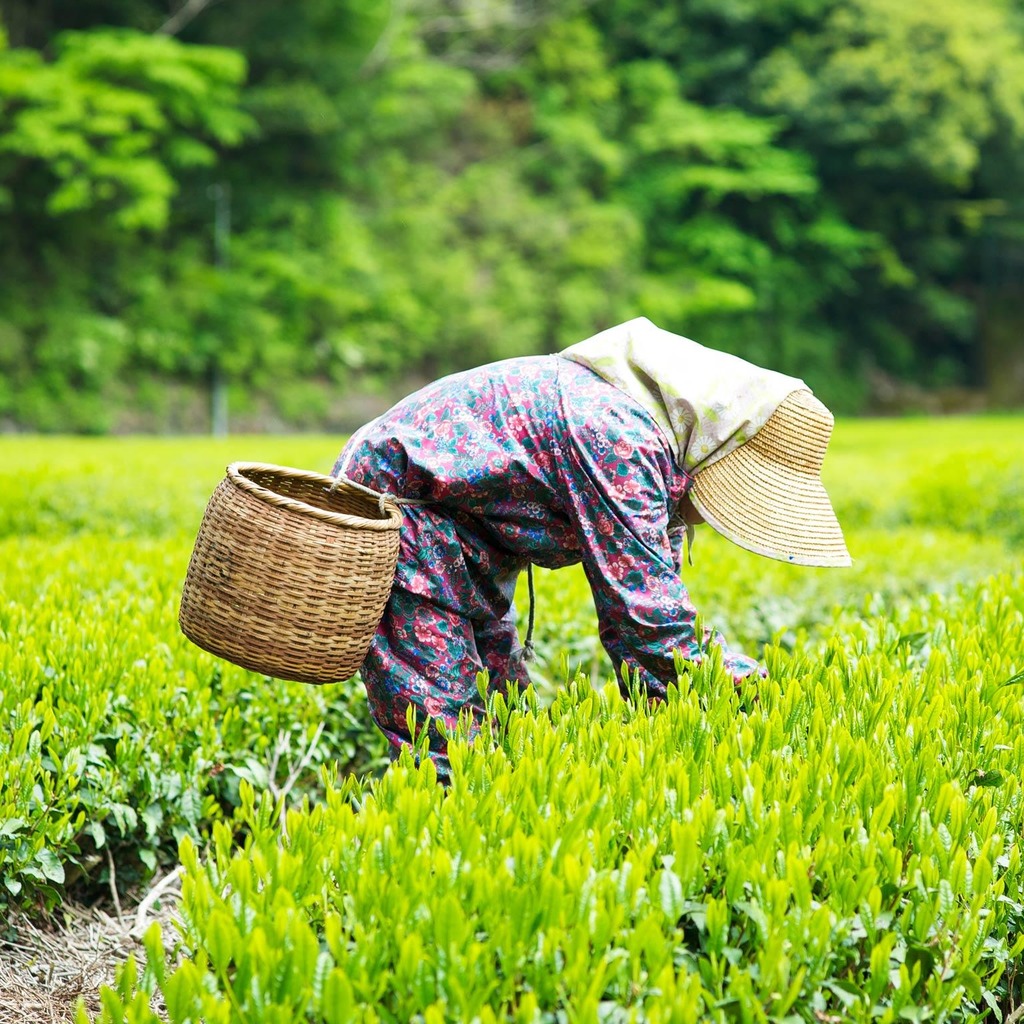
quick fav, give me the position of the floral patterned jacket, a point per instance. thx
(538, 459)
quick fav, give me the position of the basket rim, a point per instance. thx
(388, 506)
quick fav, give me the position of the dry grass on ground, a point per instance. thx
(46, 967)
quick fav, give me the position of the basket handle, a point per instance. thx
(382, 498)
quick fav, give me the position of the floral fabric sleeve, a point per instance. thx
(622, 489)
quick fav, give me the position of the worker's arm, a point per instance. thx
(620, 477)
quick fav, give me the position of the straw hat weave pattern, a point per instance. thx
(767, 495)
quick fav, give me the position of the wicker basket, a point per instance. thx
(290, 572)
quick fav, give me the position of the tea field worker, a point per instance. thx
(607, 453)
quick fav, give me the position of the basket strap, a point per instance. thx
(529, 653)
(528, 650)
(381, 498)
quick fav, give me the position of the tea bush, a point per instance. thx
(841, 843)
(117, 736)
(53, 487)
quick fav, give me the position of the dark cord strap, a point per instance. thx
(529, 653)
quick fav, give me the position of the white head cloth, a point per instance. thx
(707, 403)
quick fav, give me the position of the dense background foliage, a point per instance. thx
(306, 201)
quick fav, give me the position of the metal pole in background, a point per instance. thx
(221, 195)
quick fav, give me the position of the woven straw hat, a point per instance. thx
(767, 495)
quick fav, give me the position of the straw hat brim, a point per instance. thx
(771, 507)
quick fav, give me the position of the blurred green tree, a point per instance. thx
(92, 143)
(420, 185)
(910, 119)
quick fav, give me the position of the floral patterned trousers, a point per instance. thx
(427, 655)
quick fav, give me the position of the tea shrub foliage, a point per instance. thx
(841, 842)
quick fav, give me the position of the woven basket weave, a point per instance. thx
(290, 572)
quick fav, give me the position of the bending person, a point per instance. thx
(608, 454)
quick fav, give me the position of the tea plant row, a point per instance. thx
(843, 842)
